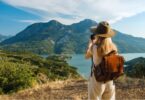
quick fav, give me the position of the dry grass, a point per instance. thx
(126, 89)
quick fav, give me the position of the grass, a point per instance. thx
(76, 89)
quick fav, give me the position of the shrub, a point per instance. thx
(15, 76)
(22, 70)
(137, 71)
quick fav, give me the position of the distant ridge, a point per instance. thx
(3, 37)
(55, 37)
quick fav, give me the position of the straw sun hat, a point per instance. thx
(103, 29)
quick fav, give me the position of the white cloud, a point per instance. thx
(70, 11)
(29, 21)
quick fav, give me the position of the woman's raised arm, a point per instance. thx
(89, 51)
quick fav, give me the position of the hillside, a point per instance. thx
(126, 89)
(128, 43)
(55, 37)
(24, 70)
(27, 76)
(136, 67)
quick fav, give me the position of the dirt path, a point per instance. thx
(75, 90)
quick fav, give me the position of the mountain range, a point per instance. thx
(55, 37)
(3, 37)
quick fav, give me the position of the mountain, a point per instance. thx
(55, 37)
(2, 37)
(129, 44)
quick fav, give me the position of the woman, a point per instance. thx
(99, 45)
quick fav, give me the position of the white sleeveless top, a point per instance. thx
(96, 58)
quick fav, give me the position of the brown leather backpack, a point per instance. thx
(110, 68)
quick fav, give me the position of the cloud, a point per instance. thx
(29, 21)
(70, 11)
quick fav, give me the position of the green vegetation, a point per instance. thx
(23, 70)
(54, 37)
(136, 67)
(14, 76)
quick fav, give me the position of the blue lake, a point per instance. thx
(84, 66)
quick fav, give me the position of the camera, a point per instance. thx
(92, 37)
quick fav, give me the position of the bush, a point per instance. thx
(137, 71)
(15, 76)
(22, 70)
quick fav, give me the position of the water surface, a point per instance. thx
(84, 66)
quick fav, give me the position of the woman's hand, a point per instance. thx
(90, 44)
(89, 50)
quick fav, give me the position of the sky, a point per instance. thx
(127, 16)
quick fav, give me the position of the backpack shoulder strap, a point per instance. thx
(111, 52)
(92, 65)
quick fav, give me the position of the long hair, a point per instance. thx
(105, 45)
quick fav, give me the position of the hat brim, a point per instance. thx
(110, 33)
